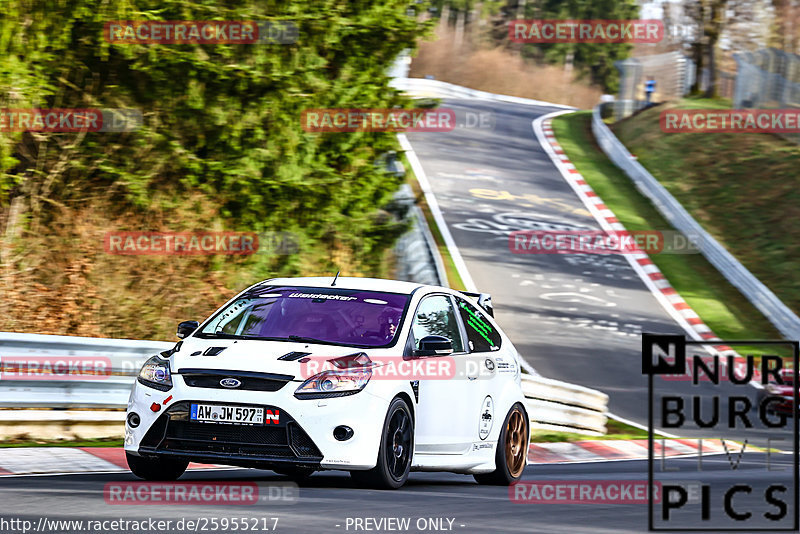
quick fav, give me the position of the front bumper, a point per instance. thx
(174, 434)
(303, 436)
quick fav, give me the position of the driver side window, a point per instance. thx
(435, 316)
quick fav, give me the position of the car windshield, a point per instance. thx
(311, 314)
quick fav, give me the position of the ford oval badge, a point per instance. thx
(230, 383)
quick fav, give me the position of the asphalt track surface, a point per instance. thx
(327, 501)
(573, 317)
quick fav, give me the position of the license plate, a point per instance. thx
(240, 415)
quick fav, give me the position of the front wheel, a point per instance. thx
(512, 453)
(156, 468)
(394, 454)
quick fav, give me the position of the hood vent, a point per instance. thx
(292, 356)
(213, 351)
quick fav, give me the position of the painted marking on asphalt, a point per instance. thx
(606, 449)
(24, 460)
(425, 185)
(452, 248)
(659, 287)
(114, 455)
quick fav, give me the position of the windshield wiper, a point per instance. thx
(225, 335)
(304, 339)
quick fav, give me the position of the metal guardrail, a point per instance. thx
(89, 398)
(417, 256)
(125, 357)
(757, 293)
(422, 87)
(556, 405)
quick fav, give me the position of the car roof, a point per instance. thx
(348, 282)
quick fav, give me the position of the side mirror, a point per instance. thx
(186, 328)
(434, 346)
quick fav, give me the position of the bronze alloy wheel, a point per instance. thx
(515, 443)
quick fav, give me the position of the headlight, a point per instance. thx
(155, 374)
(772, 389)
(334, 384)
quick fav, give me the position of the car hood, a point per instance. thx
(256, 356)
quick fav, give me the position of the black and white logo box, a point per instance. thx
(741, 394)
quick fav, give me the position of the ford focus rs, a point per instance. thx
(375, 377)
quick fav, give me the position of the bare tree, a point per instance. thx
(712, 30)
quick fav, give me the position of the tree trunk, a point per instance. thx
(711, 90)
(698, 50)
(713, 31)
(697, 56)
(460, 21)
(521, 9)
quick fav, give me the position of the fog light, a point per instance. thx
(342, 433)
(155, 406)
(133, 420)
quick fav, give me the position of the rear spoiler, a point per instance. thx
(484, 301)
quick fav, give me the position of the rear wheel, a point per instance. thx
(156, 468)
(394, 454)
(512, 454)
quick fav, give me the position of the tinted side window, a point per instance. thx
(435, 317)
(483, 337)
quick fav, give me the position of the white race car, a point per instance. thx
(296, 375)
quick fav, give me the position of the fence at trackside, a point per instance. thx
(91, 406)
(757, 293)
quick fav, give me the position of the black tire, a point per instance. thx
(511, 456)
(156, 468)
(395, 452)
(297, 474)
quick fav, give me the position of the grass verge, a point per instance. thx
(742, 187)
(453, 278)
(721, 306)
(615, 429)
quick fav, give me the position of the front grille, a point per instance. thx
(244, 434)
(174, 432)
(210, 378)
(301, 443)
